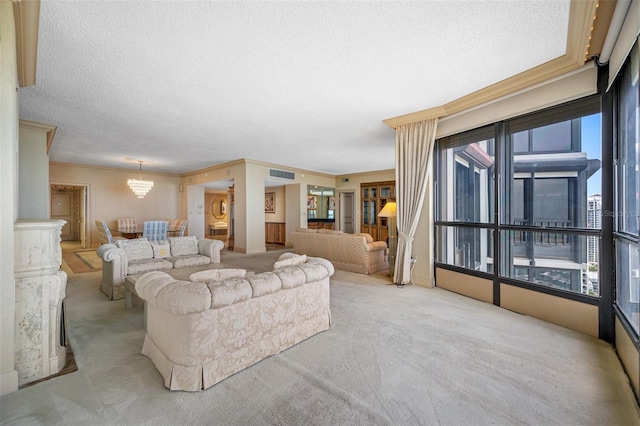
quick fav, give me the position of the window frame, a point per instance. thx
(500, 132)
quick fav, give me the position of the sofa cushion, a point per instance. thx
(329, 231)
(213, 275)
(291, 277)
(264, 283)
(290, 261)
(161, 249)
(228, 292)
(146, 265)
(181, 246)
(184, 297)
(136, 249)
(314, 272)
(307, 230)
(368, 237)
(189, 260)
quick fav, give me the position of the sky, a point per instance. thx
(591, 144)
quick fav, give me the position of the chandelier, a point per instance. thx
(138, 186)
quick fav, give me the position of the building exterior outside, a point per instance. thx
(594, 221)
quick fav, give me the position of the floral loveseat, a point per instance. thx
(348, 252)
(201, 332)
(129, 257)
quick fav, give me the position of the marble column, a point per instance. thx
(40, 290)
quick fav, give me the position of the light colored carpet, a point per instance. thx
(393, 356)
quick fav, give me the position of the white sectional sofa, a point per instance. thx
(137, 256)
(199, 333)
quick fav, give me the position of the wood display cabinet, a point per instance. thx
(275, 232)
(373, 197)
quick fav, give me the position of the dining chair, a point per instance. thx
(127, 226)
(105, 233)
(177, 228)
(154, 230)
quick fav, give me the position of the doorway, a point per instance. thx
(346, 212)
(69, 203)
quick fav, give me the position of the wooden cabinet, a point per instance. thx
(320, 225)
(373, 196)
(275, 233)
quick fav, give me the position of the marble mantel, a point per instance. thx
(40, 290)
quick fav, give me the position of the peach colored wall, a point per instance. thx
(556, 310)
(109, 197)
(279, 215)
(628, 356)
(468, 285)
(571, 314)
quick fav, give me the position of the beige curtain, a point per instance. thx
(414, 153)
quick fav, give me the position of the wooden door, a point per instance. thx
(62, 208)
(346, 212)
(83, 217)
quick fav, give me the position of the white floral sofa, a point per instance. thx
(201, 332)
(348, 252)
(137, 256)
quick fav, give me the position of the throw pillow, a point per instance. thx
(161, 249)
(213, 275)
(136, 249)
(291, 261)
(182, 246)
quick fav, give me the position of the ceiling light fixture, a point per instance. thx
(138, 186)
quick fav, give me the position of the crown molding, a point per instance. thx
(48, 128)
(26, 14)
(582, 14)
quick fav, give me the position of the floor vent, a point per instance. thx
(282, 174)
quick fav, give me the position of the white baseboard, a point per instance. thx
(8, 382)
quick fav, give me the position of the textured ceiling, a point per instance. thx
(186, 85)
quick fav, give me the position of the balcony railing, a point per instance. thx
(542, 238)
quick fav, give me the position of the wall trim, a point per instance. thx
(88, 166)
(26, 15)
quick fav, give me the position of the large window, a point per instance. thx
(520, 199)
(466, 194)
(626, 238)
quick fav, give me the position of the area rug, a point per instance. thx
(82, 261)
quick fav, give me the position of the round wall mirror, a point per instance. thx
(219, 208)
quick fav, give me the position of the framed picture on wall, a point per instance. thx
(270, 202)
(311, 201)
